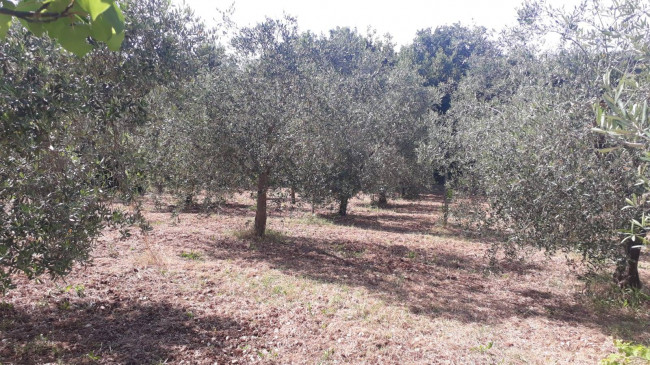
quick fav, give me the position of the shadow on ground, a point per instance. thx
(127, 332)
(383, 222)
(440, 283)
(436, 284)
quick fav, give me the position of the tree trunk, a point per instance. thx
(343, 206)
(260, 213)
(382, 201)
(293, 196)
(627, 273)
(447, 197)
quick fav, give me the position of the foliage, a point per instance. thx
(327, 116)
(628, 353)
(442, 57)
(68, 136)
(622, 115)
(361, 117)
(483, 348)
(521, 133)
(606, 295)
(50, 207)
(195, 256)
(70, 22)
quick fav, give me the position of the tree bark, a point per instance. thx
(260, 213)
(343, 206)
(382, 201)
(446, 196)
(627, 273)
(293, 195)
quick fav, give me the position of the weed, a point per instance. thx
(279, 290)
(628, 353)
(327, 354)
(605, 294)
(328, 311)
(411, 254)
(79, 289)
(64, 305)
(483, 348)
(189, 315)
(92, 356)
(195, 256)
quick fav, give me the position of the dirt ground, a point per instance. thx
(380, 286)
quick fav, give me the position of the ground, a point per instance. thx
(381, 286)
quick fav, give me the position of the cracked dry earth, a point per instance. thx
(380, 286)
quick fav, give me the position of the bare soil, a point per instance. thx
(380, 286)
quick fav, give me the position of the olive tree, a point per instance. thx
(622, 116)
(360, 113)
(443, 57)
(68, 141)
(261, 133)
(524, 126)
(51, 207)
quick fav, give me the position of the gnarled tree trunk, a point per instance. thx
(447, 199)
(343, 205)
(260, 213)
(627, 272)
(382, 201)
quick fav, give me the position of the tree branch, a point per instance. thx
(38, 16)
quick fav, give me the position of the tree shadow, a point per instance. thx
(129, 332)
(383, 222)
(454, 284)
(413, 207)
(227, 209)
(427, 281)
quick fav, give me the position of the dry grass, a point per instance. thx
(379, 286)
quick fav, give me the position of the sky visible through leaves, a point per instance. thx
(399, 18)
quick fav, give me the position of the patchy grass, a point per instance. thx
(605, 295)
(313, 220)
(191, 255)
(270, 237)
(378, 286)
